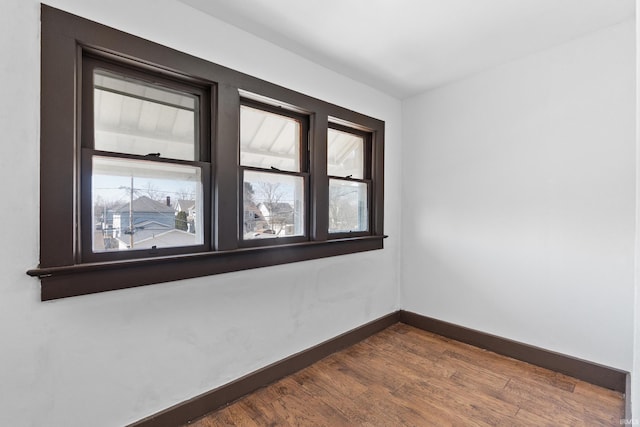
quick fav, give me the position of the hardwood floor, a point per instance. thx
(404, 376)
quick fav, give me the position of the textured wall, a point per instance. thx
(116, 357)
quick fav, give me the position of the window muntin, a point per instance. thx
(135, 117)
(274, 195)
(269, 140)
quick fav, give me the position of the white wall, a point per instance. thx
(519, 199)
(113, 358)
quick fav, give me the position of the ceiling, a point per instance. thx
(404, 47)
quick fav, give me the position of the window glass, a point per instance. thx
(269, 140)
(348, 206)
(273, 205)
(139, 204)
(345, 154)
(134, 117)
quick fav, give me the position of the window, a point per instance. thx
(273, 148)
(143, 149)
(348, 168)
(160, 166)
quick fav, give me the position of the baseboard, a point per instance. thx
(207, 402)
(593, 373)
(627, 398)
(201, 405)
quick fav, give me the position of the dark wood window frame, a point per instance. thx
(66, 40)
(303, 120)
(92, 61)
(366, 179)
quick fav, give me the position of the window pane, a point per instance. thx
(273, 205)
(134, 117)
(345, 154)
(139, 204)
(348, 208)
(269, 140)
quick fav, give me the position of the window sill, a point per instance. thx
(83, 279)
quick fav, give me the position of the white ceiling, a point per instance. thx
(404, 47)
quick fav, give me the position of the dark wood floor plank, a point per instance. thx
(389, 410)
(325, 392)
(442, 365)
(361, 368)
(409, 377)
(292, 404)
(331, 377)
(544, 399)
(601, 396)
(428, 380)
(526, 418)
(508, 366)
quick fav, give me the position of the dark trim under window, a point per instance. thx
(261, 201)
